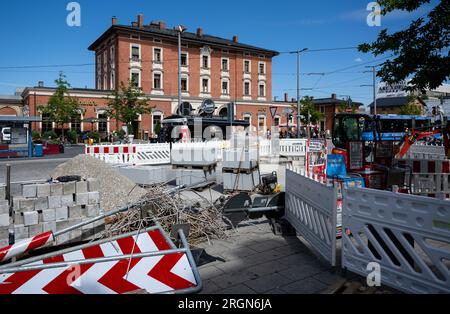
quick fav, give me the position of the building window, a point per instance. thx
(225, 65)
(247, 89)
(75, 124)
(262, 90)
(112, 56)
(157, 81)
(277, 121)
(225, 88)
(47, 124)
(105, 81)
(205, 62)
(184, 59)
(205, 85)
(135, 79)
(322, 109)
(247, 66)
(248, 117)
(262, 68)
(157, 55)
(184, 84)
(102, 123)
(157, 118)
(113, 80)
(135, 53)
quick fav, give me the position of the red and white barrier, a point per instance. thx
(25, 246)
(155, 274)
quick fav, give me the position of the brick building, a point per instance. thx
(146, 55)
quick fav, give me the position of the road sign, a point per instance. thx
(105, 268)
(273, 111)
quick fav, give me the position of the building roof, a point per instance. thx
(20, 119)
(10, 99)
(393, 102)
(186, 37)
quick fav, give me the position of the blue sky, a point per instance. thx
(35, 33)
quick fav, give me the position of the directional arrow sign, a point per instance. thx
(156, 274)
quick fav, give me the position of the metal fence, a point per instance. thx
(407, 235)
(311, 208)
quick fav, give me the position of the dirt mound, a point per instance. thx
(116, 190)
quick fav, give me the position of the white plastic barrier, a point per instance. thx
(422, 150)
(293, 147)
(406, 236)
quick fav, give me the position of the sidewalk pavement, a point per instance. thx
(255, 261)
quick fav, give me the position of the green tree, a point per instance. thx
(309, 112)
(126, 104)
(411, 108)
(61, 107)
(419, 51)
(343, 106)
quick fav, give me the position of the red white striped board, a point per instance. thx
(111, 149)
(156, 274)
(25, 246)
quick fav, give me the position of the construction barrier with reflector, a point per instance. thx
(146, 260)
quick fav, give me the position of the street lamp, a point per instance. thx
(298, 52)
(180, 29)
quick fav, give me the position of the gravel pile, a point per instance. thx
(116, 191)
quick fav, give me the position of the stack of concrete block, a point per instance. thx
(56, 206)
(240, 170)
(4, 217)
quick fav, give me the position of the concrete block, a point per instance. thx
(237, 158)
(245, 182)
(48, 215)
(92, 211)
(54, 201)
(26, 205)
(43, 190)
(94, 198)
(61, 213)
(82, 198)
(76, 234)
(36, 230)
(63, 239)
(64, 224)
(30, 218)
(4, 202)
(69, 188)
(2, 191)
(41, 203)
(4, 209)
(193, 156)
(93, 185)
(4, 220)
(18, 219)
(56, 189)
(4, 233)
(81, 187)
(67, 200)
(29, 190)
(76, 212)
(21, 232)
(4, 242)
(192, 177)
(49, 226)
(87, 227)
(147, 175)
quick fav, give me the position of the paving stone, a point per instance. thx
(2, 191)
(268, 282)
(21, 232)
(61, 213)
(35, 230)
(93, 185)
(4, 220)
(267, 268)
(54, 201)
(69, 188)
(49, 215)
(305, 286)
(299, 259)
(91, 211)
(31, 218)
(300, 272)
(327, 277)
(230, 279)
(67, 200)
(4, 209)
(209, 287)
(56, 189)
(94, 198)
(210, 272)
(4, 202)
(4, 234)
(43, 190)
(29, 190)
(239, 289)
(41, 203)
(266, 245)
(238, 253)
(81, 187)
(76, 212)
(82, 198)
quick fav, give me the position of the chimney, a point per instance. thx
(134, 24)
(162, 25)
(235, 39)
(333, 96)
(41, 84)
(199, 32)
(140, 20)
(286, 97)
(114, 20)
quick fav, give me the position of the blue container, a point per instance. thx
(38, 150)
